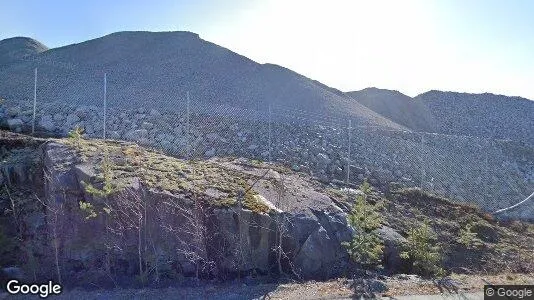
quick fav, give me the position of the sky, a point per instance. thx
(412, 46)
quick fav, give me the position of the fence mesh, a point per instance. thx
(491, 173)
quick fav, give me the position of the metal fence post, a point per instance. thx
(188, 129)
(105, 103)
(348, 151)
(422, 161)
(270, 148)
(34, 100)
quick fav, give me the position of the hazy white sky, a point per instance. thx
(412, 45)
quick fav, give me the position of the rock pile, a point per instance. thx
(475, 170)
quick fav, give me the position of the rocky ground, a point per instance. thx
(390, 288)
(492, 174)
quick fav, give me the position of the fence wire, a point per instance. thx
(493, 174)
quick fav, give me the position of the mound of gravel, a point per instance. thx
(17, 48)
(397, 107)
(479, 115)
(157, 70)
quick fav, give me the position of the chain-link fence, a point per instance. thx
(493, 174)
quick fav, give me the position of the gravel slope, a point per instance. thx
(157, 69)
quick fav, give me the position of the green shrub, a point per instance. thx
(88, 209)
(107, 175)
(366, 248)
(422, 250)
(468, 238)
(76, 133)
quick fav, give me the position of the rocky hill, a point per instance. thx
(19, 48)
(479, 115)
(95, 213)
(485, 115)
(160, 68)
(397, 107)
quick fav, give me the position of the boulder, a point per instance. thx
(26, 119)
(47, 123)
(59, 117)
(14, 111)
(81, 112)
(136, 135)
(15, 124)
(72, 119)
(393, 243)
(316, 255)
(210, 153)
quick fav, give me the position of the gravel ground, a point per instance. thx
(398, 287)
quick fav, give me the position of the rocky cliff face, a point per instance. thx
(169, 218)
(88, 212)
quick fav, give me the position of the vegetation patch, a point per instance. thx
(119, 162)
(365, 248)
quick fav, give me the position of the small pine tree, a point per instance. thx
(107, 174)
(468, 238)
(366, 247)
(422, 249)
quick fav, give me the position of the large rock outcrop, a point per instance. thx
(150, 233)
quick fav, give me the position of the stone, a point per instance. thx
(136, 135)
(114, 135)
(14, 124)
(316, 253)
(210, 152)
(323, 159)
(47, 123)
(59, 117)
(72, 119)
(14, 111)
(147, 125)
(377, 286)
(26, 119)
(393, 243)
(82, 112)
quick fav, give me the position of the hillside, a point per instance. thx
(397, 107)
(188, 215)
(19, 48)
(485, 115)
(478, 115)
(149, 75)
(161, 68)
